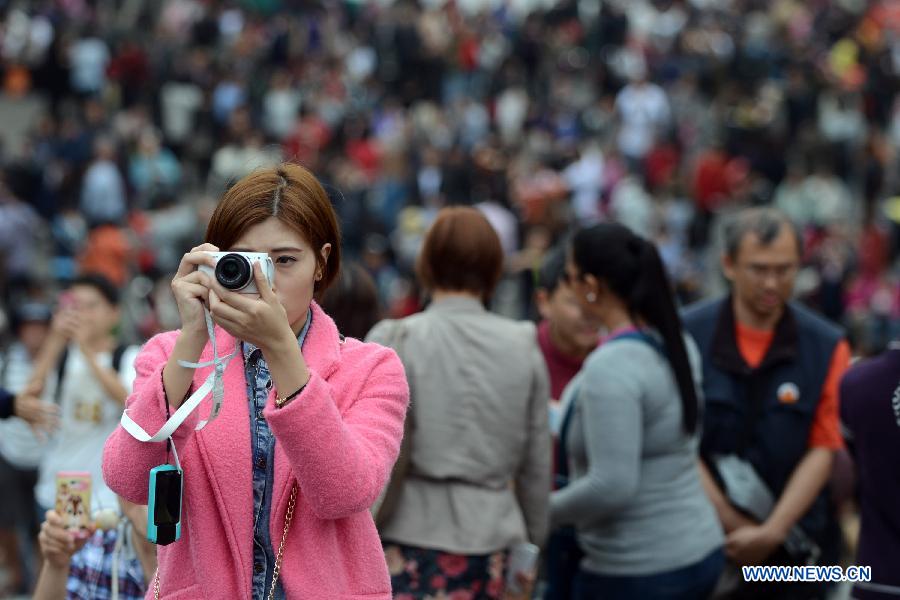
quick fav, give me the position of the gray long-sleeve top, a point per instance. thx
(635, 494)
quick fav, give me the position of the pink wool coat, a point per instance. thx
(338, 439)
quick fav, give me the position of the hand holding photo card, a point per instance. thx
(73, 499)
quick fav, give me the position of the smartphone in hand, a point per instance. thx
(522, 561)
(66, 300)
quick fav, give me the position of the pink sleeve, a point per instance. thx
(343, 460)
(126, 461)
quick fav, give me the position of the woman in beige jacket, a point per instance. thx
(478, 476)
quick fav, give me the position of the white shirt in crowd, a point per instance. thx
(89, 58)
(280, 111)
(103, 193)
(88, 416)
(180, 102)
(585, 178)
(18, 444)
(644, 110)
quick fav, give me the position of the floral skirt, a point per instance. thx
(422, 574)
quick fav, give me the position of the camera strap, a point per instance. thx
(213, 384)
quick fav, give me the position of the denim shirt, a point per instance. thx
(262, 444)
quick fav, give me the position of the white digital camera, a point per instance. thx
(234, 270)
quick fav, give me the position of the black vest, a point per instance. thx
(783, 392)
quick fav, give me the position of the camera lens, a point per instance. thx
(233, 271)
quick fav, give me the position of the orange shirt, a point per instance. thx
(107, 252)
(825, 433)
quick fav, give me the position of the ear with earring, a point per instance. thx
(591, 297)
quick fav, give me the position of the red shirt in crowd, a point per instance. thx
(562, 367)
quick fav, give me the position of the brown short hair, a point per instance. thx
(461, 252)
(295, 197)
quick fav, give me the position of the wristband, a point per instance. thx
(279, 402)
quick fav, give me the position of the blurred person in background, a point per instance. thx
(30, 325)
(870, 415)
(474, 475)
(631, 431)
(20, 448)
(376, 259)
(24, 406)
(172, 224)
(153, 171)
(352, 301)
(20, 234)
(88, 374)
(103, 194)
(108, 252)
(88, 57)
(566, 336)
(771, 370)
(644, 113)
(114, 561)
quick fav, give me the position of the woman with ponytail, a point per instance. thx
(630, 433)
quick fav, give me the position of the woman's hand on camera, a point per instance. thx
(191, 288)
(261, 321)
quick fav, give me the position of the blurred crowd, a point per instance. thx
(546, 115)
(662, 115)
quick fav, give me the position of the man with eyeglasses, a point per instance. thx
(770, 428)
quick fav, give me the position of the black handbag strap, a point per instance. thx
(4, 366)
(562, 454)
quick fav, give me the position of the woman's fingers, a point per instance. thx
(194, 290)
(262, 284)
(205, 248)
(222, 310)
(232, 327)
(241, 302)
(198, 277)
(197, 256)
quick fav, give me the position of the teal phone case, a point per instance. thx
(166, 532)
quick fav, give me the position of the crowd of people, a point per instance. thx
(663, 115)
(744, 151)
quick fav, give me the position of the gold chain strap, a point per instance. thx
(287, 525)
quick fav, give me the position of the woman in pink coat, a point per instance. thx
(309, 428)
